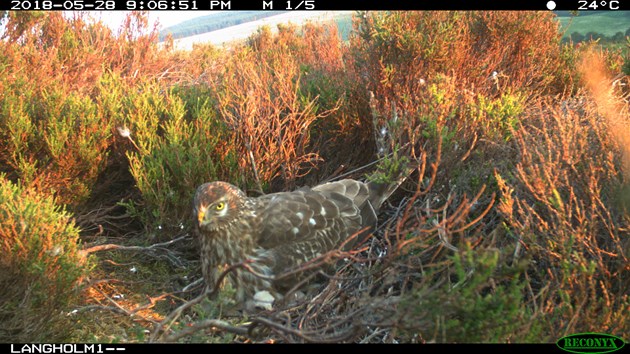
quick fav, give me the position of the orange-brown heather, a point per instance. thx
(511, 227)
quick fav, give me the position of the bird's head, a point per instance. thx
(216, 205)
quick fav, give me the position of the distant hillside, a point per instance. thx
(607, 23)
(342, 19)
(214, 22)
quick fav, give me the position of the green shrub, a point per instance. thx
(498, 117)
(177, 145)
(483, 301)
(432, 66)
(40, 265)
(53, 139)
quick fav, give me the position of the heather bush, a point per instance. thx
(176, 146)
(561, 204)
(511, 225)
(40, 265)
(399, 55)
(483, 302)
(325, 75)
(497, 117)
(56, 131)
(261, 102)
(476, 119)
(53, 140)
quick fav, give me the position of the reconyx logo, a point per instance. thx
(590, 343)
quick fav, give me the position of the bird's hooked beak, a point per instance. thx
(201, 214)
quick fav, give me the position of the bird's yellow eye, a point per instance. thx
(219, 206)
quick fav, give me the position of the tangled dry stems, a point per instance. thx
(358, 302)
(528, 168)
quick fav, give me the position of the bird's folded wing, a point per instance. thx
(303, 216)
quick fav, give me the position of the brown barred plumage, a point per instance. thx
(278, 232)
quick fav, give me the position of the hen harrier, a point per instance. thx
(276, 233)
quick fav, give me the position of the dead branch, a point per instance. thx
(155, 246)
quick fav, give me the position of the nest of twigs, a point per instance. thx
(359, 301)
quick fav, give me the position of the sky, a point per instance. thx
(113, 19)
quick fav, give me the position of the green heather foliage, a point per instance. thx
(55, 141)
(40, 265)
(56, 129)
(484, 302)
(499, 116)
(177, 146)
